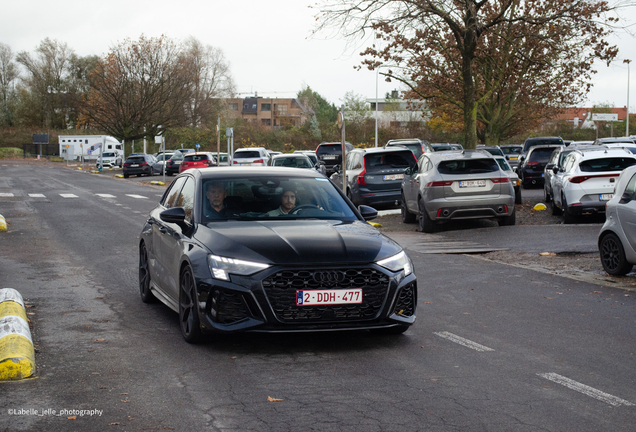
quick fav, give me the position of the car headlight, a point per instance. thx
(398, 262)
(221, 267)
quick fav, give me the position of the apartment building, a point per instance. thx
(271, 113)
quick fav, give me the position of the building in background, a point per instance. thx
(270, 113)
(395, 112)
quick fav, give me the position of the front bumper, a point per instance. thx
(266, 302)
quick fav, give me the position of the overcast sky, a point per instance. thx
(268, 44)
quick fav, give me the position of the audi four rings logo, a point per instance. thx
(329, 277)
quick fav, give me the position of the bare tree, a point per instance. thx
(140, 89)
(8, 76)
(211, 80)
(47, 83)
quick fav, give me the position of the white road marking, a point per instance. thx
(586, 390)
(464, 342)
(136, 196)
(68, 196)
(105, 195)
(6, 194)
(37, 195)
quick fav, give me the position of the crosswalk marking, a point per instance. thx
(6, 194)
(136, 196)
(69, 196)
(37, 195)
(105, 195)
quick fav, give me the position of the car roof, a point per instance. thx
(459, 154)
(392, 149)
(294, 155)
(589, 152)
(253, 171)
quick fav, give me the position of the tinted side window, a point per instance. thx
(170, 198)
(631, 186)
(541, 155)
(378, 161)
(606, 164)
(186, 199)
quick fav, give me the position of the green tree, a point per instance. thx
(8, 77)
(440, 44)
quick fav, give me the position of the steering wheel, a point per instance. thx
(302, 206)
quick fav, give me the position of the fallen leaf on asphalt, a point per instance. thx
(466, 313)
(271, 399)
(428, 303)
(125, 401)
(232, 358)
(434, 379)
(99, 340)
(113, 424)
(71, 418)
(94, 373)
(122, 394)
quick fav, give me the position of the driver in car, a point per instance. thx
(215, 193)
(288, 202)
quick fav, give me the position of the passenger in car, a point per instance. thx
(288, 202)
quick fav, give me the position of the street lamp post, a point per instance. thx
(377, 70)
(627, 118)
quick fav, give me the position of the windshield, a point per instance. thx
(271, 197)
(294, 162)
(503, 164)
(379, 161)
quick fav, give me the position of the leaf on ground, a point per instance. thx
(271, 399)
(99, 340)
(113, 424)
(71, 418)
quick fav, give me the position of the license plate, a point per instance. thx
(394, 177)
(605, 197)
(513, 158)
(328, 297)
(134, 165)
(472, 183)
(329, 157)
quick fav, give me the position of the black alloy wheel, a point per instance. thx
(613, 256)
(407, 216)
(144, 276)
(426, 225)
(567, 217)
(188, 313)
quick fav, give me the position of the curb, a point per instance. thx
(17, 355)
(3, 224)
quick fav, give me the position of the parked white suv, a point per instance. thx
(587, 180)
(257, 156)
(109, 160)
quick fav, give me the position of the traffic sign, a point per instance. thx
(198, 146)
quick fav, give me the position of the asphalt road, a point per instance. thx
(494, 347)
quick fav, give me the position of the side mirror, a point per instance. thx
(555, 169)
(626, 198)
(521, 159)
(408, 171)
(549, 167)
(336, 169)
(175, 215)
(367, 213)
(507, 157)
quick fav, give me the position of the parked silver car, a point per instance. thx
(454, 185)
(617, 238)
(514, 178)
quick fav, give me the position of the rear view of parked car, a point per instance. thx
(374, 175)
(197, 160)
(417, 146)
(139, 165)
(587, 181)
(532, 165)
(173, 164)
(256, 156)
(617, 238)
(448, 186)
(330, 153)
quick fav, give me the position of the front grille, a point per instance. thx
(281, 288)
(405, 304)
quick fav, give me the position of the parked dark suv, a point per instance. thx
(374, 175)
(532, 165)
(331, 154)
(416, 145)
(139, 165)
(531, 142)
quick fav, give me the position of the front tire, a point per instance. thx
(426, 225)
(518, 199)
(555, 210)
(407, 216)
(188, 309)
(144, 277)
(126, 175)
(613, 256)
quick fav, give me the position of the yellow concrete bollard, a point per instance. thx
(17, 355)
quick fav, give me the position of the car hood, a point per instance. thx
(297, 242)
